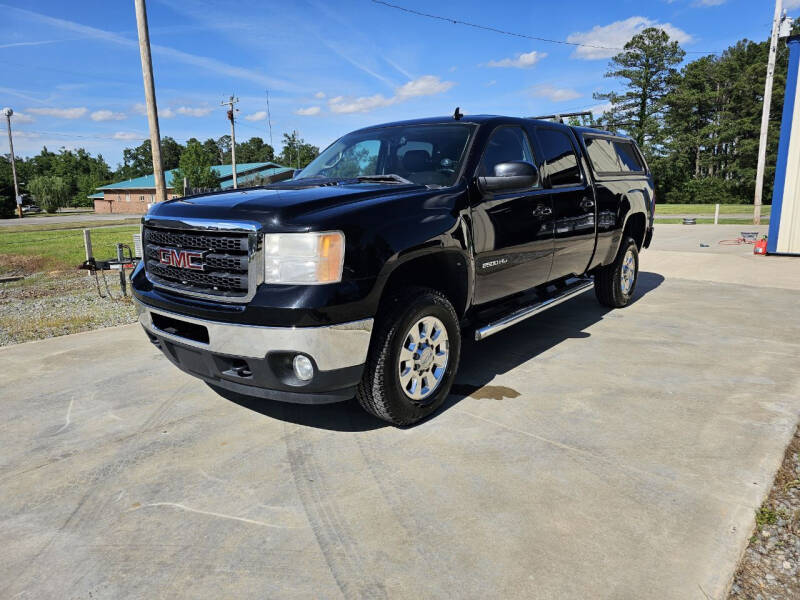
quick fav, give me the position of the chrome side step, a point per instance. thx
(573, 288)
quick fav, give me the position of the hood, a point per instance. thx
(280, 203)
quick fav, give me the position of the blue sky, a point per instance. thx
(71, 71)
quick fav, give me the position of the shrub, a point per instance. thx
(705, 190)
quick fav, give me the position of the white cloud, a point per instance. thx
(60, 113)
(604, 41)
(599, 109)
(520, 61)
(789, 4)
(256, 116)
(189, 111)
(128, 135)
(107, 115)
(19, 117)
(491, 83)
(306, 112)
(555, 94)
(427, 85)
(711, 2)
(163, 113)
(319, 95)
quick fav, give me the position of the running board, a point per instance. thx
(574, 287)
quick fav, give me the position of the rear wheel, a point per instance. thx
(614, 284)
(413, 358)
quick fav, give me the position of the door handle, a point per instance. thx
(587, 203)
(542, 211)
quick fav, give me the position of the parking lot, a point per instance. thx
(584, 453)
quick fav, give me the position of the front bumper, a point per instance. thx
(256, 361)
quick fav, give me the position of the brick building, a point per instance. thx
(134, 196)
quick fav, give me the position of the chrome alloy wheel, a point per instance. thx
(423, 358)
(628, 272)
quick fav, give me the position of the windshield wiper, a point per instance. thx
(387, 178)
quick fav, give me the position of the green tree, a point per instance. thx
(50, 192)
(213, 149)
(647, 68)
(296, 153)
(195, 166)
(254, 150)
(138, 161)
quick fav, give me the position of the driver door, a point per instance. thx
(513, 230)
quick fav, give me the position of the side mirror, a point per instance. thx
(509, 176)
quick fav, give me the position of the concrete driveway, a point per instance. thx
(584, 454)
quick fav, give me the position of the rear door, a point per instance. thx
(512, 231)
(574, 209)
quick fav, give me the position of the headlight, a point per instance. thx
(303, 258)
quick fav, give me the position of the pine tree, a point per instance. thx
(647, 66)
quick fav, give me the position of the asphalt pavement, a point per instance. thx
(584, 453)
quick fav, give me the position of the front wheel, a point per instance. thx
(614, 284)
(413, 357)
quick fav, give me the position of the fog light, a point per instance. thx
(303, 367)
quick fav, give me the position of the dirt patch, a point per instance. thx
(770, 565)
(22, 264)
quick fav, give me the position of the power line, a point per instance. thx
(503, 31)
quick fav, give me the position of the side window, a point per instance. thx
(560, 160)
(506, 144)
(629, 160)
(602, 154)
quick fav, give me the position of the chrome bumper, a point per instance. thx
(332, 347)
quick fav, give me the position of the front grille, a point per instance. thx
(224, 264)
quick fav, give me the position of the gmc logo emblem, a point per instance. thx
(185, 259)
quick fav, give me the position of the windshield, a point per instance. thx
(423, 154)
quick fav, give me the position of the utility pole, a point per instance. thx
(269, 122)
(230, 103)
(8, 112)
(150, 99)
(762, 142)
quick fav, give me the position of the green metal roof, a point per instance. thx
(223, 172)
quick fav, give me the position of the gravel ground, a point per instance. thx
(46, 305)
(769, 568)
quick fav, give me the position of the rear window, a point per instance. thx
(602, 155)
(629, 160)
(613, 156)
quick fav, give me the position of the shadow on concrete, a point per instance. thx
(507, 349)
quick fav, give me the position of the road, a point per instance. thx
(78, 217)
(585, 453)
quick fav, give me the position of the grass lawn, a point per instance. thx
(32, 251)
(703, 221)
(707, 209)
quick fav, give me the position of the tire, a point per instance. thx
(387, 392)
(615, 284)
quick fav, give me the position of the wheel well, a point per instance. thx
(445, 272)
(635, 227)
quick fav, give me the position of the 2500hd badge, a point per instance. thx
(357, 278)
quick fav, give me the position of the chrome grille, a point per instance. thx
(226, 261)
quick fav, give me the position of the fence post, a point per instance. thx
(716, 215)
(87, 244)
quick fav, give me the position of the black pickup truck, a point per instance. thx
(359, 276)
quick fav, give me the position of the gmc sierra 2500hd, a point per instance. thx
(358, 276)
